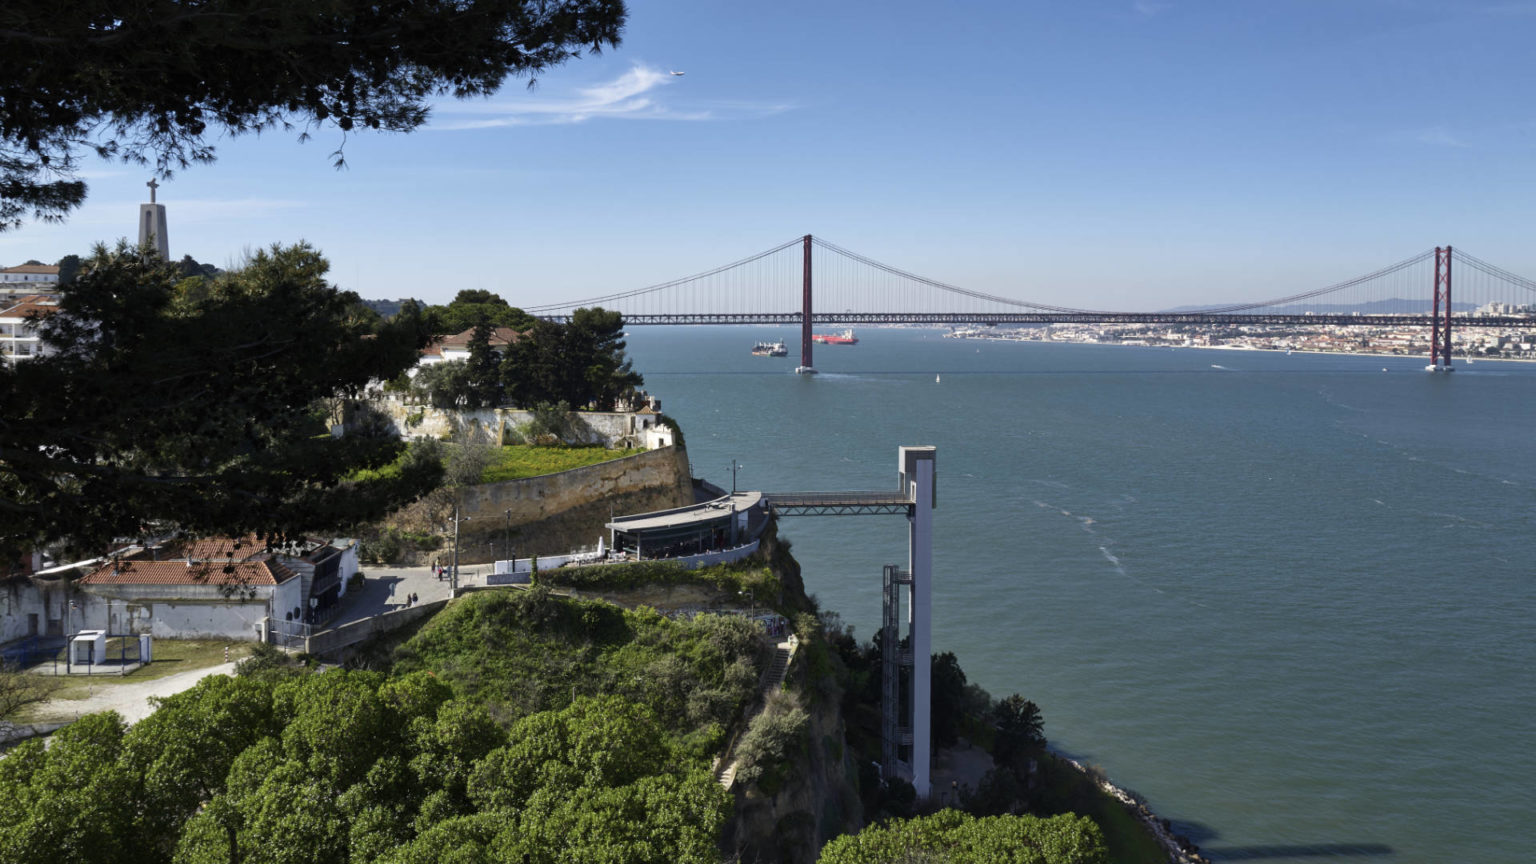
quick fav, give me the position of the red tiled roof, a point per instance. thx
(217, 549)
(500, 338)
(27, 305)
(201, 561)
(45, 269)
(178, 572)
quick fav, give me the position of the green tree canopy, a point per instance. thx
(201, 411)
(581, 362)
(474, 307)
(69, 268)
(484, 369)
(153, 82)
(1020, 730)
(953, 837)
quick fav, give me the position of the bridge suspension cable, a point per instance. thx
(769, 287)
(942, 286)
(1495, 271)
(1318, 292)
(550, 308)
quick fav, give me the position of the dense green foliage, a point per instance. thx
(771, 738)
(205, 409)
(516, 727)
(526, 651)
(550, 366)
(952, 837)
(155, 81)
(581, 363)
(473, 307)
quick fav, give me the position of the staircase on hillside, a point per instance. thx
(773, 678)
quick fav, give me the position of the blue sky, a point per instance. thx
(1115, 154)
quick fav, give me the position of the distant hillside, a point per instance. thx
(1393, 306)
(385, 308)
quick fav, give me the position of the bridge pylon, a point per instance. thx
(1440, 334)
(806, 367)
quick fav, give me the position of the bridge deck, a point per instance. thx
(1021, 318)
(838, 503)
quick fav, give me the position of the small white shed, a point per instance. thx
(88, 647)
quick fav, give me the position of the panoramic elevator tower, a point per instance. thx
(917, 468)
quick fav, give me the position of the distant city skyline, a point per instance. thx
(1129, 155)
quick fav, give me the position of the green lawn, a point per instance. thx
(516, 461)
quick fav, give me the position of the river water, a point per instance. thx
(1289, 599)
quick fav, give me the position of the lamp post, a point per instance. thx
(734, 468)
(506, 549)
(453, 584)
(69, 644)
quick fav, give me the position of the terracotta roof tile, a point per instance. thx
(201, 561)
(178, 572)
(28, 305)
(500, 338)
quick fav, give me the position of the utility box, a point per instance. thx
(146, 642)
(89, 647)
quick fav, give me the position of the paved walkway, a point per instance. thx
(385, 589)
(958, 770)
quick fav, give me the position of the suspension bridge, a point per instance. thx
(809, 281)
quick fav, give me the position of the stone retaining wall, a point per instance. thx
(559, 513)
(331, 641)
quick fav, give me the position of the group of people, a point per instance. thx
(411, 600)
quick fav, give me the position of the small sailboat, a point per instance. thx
(936, 379)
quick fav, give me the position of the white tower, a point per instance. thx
(918, 468)
(152, 224)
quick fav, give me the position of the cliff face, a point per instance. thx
(815, 794)
(817, 800)
(558, 513)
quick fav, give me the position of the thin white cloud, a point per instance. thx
(635, 95)
(1147, 8)
(1439, 136)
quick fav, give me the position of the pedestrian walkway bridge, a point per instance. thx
(838, 503)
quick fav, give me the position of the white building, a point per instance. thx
(214, 588)
(30, 276)
(456, 347)
(19, 339)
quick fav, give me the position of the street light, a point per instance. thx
(69, 645)
(734, 467)
(453, 585)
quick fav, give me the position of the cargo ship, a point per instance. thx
(770, 349)
(844, 338)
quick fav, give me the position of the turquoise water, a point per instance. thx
(1289, 599)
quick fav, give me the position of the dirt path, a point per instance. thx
(129, 700)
